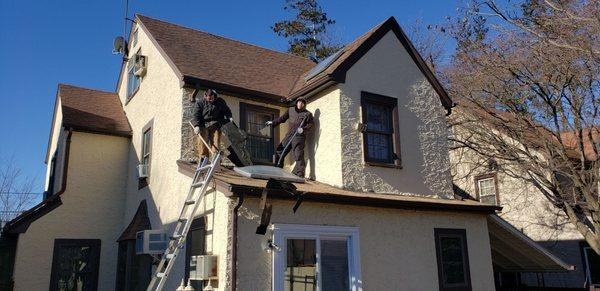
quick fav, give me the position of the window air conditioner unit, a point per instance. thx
(142, 171)
(151, 242)
(203, 267)
(140, 65)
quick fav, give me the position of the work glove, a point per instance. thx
(230, 119)
(300, 130)
(196, 129)
(269, 123)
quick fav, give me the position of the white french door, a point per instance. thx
(316, 258)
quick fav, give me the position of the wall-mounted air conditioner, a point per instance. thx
(203, 267)
(152, 242)
(142, 171)
(140, 65)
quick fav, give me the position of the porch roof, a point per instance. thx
(515, 252)
(233, 184)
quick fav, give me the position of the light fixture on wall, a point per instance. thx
(268, 246)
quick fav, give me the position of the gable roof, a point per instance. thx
(93, 110)
(210, 60)
(352, 52)
(204, 59)
(139, 222)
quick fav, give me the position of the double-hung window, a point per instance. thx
(146, 153)
(133, 81)
(381, 142)
(261, 139)
(309, 257)
(487, 190)
(452, 259)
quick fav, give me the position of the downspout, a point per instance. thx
(234, 228)
(63, 185)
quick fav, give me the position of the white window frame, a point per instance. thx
(479, 188)
(282, 232)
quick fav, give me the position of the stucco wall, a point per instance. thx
(159, 100)
(526, 208)
(397, 247)
(388, 70)
(92, 209)
(324, 145)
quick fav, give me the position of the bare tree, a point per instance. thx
(16, 190)
(528, 79)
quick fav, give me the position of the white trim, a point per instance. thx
(281, 232)
(508, 227)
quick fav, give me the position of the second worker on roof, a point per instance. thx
(301, 121)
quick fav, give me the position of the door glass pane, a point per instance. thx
(260, 137)
(301, 265)
(74, 269)
(453, 265)
(334, 265)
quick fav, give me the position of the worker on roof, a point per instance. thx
(301, 121)
(210, 113)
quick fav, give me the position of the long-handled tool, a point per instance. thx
(290, 142)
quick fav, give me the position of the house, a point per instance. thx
(525, 207)
(378, 213)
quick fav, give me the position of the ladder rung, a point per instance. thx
(203, 168)
(160, 275)
(170, 256)
(189, 202)
(182, 220)
(176, 236)
(198, 184)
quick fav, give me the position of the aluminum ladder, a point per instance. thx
(202, 177)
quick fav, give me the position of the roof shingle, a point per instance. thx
(209, 59)
(93, 110)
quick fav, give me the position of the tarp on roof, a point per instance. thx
(513, 251)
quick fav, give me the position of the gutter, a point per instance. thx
(234, 230)
(21, 223)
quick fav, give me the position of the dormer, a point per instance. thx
(380, 118)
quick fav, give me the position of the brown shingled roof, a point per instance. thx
(215, 61)
(93, 110)
(208, 60)
(356, 49)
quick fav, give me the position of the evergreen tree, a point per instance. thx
(307, 31)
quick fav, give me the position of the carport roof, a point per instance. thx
(515, 252)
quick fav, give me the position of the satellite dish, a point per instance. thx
(119, 45)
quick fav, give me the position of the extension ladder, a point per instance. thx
(202, 176)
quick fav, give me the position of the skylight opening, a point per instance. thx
(324, 64)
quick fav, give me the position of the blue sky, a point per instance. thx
(44, 43)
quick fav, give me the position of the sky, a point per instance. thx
(44, 43)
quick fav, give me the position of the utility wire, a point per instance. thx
(21, 193)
